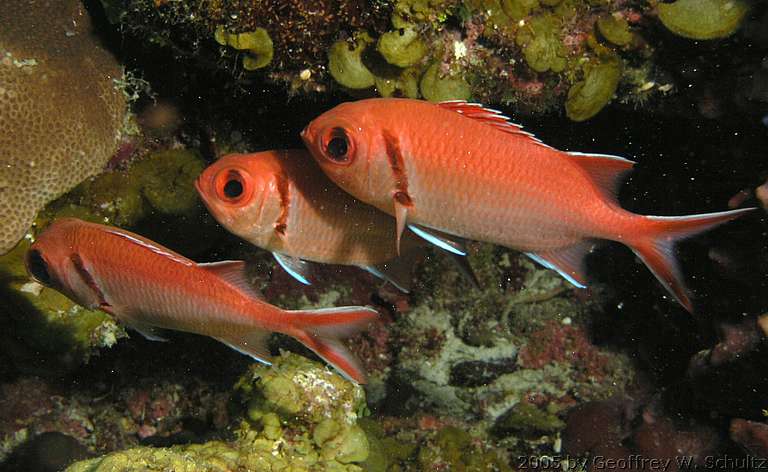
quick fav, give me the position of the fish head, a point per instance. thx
(241, 192)
(56, 260)
(348, 144)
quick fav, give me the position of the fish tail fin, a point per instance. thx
(322, 331)
(656, 246)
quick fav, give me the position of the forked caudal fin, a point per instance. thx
(656, 246)
(322, 331)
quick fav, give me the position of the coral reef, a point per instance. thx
(62, 110)
(514, 358)
(534, 55)
(298, 416)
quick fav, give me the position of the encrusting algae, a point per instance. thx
(298, 416)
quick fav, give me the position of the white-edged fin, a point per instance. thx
(568, 261)
(322, 331)
(252, 344)
(439, 240)
(297, 268)
(149, 332)
(232, 272)
(606, 171)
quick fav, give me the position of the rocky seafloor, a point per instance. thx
(524, 372)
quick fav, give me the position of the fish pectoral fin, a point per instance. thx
(297, 268)
(443, 241)
(150, 332)
(232, 272)
(568, 261)
(252, 343)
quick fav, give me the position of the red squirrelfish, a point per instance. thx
(150, 288)
(465, 170)
(282, 202)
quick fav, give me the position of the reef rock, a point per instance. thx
(61, 110)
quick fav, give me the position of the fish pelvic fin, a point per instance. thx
(251, 343)
(322, 331)
(656, 246)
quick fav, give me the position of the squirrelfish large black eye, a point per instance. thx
(233, 188)
(38, 268)
(338, 146)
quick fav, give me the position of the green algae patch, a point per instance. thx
(315, 428)
(438, 87)
(406, 84)
(703, 19)
(454, 447)
(528, 420)
(168, 178)
(615, 30)
(402, 47)
(587, 97)
(519, 9)
(542, 48)
(256, 43)
(345, 63)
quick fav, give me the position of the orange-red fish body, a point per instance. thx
(149, 287)
(466, 170)
(282, 202)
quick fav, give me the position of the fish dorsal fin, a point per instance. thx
(251, 343)
(606, 171)
(150, 245)
(233, 273)
(568, 261)
(490, 117)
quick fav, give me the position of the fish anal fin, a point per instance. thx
(606, 171)
(251, 343)
(150, 332)
(490, 117)
(297, 268)
(568, 261)
(233, 273)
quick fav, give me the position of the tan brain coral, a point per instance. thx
(61, 113)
